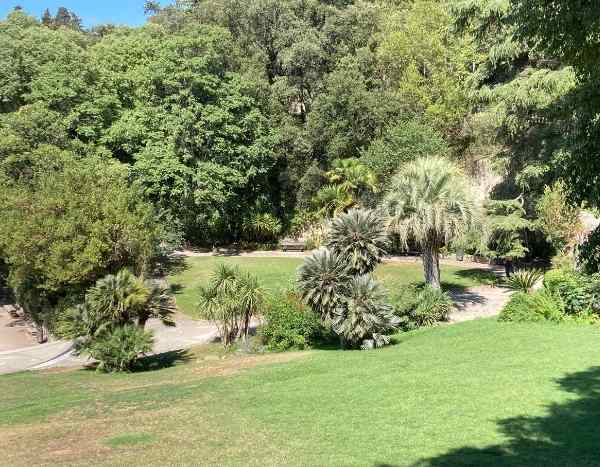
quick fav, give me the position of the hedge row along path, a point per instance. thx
(472, 303)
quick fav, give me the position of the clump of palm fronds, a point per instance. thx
(364, 313)
(322, 280)
(524, 280)
(360, 237)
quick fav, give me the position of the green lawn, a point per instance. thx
(480, 393)
(276, 273)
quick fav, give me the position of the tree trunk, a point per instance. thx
(431, 266)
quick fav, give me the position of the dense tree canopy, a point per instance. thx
(245, 120)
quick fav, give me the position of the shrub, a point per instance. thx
(261, 227)
(289, 324)
(589, 253)
(117, 349)
(422, 307)
(543, 305)
(573, 289)
(524, 280)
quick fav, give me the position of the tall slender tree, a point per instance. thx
(431, 203)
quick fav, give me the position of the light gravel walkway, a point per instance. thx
(18, 353)
(478, 302)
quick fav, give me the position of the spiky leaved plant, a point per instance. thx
(322, 282)
(122, 298)
(524, 280)
(359, 236)
(230, 300)
(366, 313)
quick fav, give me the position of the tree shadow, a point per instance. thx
(482, 276)
(463, 298)
(568, 436)
(171, 264)
(162, 360)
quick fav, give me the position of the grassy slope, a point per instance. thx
(275, 273)
(479, 394)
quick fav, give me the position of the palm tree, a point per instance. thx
(366, 313)
(322, 280)
(122, 298)
(332, 200)
(360, 237)
(230, 300)
(430, 202)
(352, 176)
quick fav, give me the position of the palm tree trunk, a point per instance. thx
(431, 266)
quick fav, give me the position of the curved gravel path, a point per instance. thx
(472, 303)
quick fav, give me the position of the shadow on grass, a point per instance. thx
(481, 276)
(172, 264)
(161, 361)
(568, 436)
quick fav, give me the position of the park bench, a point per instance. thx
(292, 246)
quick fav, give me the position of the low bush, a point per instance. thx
(422, 307)
(543, 305)
(118, 349)
(574, 289)
(289, 324)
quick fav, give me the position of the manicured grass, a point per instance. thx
(276, 273)
(480, 393)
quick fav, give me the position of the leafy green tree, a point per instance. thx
(558, 218)
(69, 222)
(401, 143)
(506, 225)
(430, 202)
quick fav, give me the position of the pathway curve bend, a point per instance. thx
(472, 303)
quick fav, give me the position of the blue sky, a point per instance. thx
(92, 12)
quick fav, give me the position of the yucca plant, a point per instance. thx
(365, 314)
(524, 280)
(360, 237)
(230, 300)
(322, 282)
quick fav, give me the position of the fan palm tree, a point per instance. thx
(332, 200)
(352, 176)
(360, 237)
(365, 314)
(322, 280)
(430, 202)
(123, 298)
